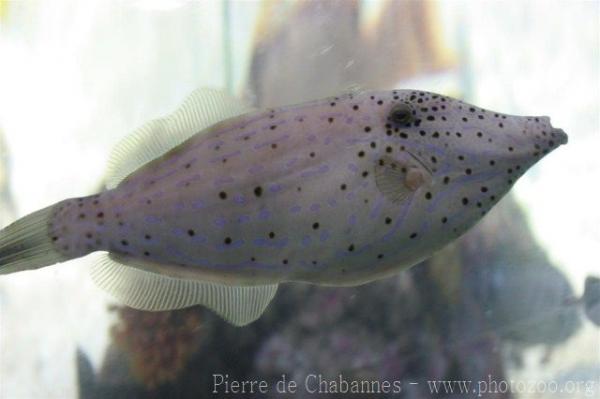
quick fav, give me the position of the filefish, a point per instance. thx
(217, 203)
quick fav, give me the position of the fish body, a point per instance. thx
(338, 191)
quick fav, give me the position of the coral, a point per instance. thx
(159, 344)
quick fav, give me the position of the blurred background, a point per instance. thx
(505, 302)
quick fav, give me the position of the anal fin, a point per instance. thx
(146, 290)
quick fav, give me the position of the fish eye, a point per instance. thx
(401, 113)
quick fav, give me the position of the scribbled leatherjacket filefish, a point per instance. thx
(217, 203)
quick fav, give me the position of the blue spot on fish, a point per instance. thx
(151, 219)
(275, 188)
(198, 204)
(254, 169)
(264, 214)
(295, 209)
(239, 199)
(306, 241)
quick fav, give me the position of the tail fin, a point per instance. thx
(26, 244)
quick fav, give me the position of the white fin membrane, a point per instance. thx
(26, 244)
(144, 290)
(200, 110)
(389, 179)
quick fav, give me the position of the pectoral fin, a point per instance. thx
(397, 179)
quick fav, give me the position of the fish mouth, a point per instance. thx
(560, 135)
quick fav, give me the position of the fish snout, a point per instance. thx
(541, 128)
(560, 135)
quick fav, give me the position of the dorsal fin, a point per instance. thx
(200, 110)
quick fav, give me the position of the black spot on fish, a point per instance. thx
(367, 129)
(227, 240)
(191, 233)
(258, 191)
(271, 235)
(315, 226)
(223, 195)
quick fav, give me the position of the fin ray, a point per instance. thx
(26, 244)
(397, 179)
(145, 290)
(200, 110)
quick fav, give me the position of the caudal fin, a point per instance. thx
(26, 244)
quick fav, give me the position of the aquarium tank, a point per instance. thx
(509, 309)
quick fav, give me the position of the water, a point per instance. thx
(498, 307)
